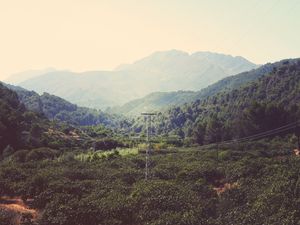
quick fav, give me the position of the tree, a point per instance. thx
(199, 133)
(213, 131)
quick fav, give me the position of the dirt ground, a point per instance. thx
(19, 210)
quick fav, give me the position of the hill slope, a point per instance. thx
(11, 117)
(20, 128)
(157, 101)
(265, 103)
(54, 107)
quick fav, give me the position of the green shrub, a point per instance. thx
(41, 154)
(224, 155)
(20, 156)
(6, 217)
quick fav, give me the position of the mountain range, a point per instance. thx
(270, 92)
(167, 71)
(161, 101)
(54, 107)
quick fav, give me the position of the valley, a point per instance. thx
(218, 155)
(149, 112)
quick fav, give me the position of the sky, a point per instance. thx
(82, 35)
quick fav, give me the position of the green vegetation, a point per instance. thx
(17, 125)
(97, 155)
(252, 184)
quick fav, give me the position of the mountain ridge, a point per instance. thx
(162, 71)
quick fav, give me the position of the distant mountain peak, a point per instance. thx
(174, 55)
(172, 52)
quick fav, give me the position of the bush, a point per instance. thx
(224, 155)
(67, 157)
(6, 217)
(20, 156)
(41, 154)
(160, 146)
(107, 144)
(163, 202)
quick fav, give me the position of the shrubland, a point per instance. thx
(249, 183)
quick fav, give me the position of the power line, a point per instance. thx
(242, 36)
(270, 132)
(261, 135)
(264, 135)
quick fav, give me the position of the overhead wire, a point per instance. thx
(261, 135)
(290, 125)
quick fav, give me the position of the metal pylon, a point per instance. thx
(148, 120)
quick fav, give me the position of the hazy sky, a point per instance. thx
(101, 34)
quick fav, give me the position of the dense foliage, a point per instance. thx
(15, 121)
(259, 185)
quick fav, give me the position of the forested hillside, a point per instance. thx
(56, 108)
(157, 101)
(21, 128)
(236, 81)
(12, 118)
(268, 102)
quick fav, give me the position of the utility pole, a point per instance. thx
(148, 119)
(297, 133)
(217, 153)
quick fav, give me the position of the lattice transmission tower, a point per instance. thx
(148, 120)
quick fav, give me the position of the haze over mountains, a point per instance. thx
(160, 72)
(54, 107)
(161, 101)
(25, 75)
